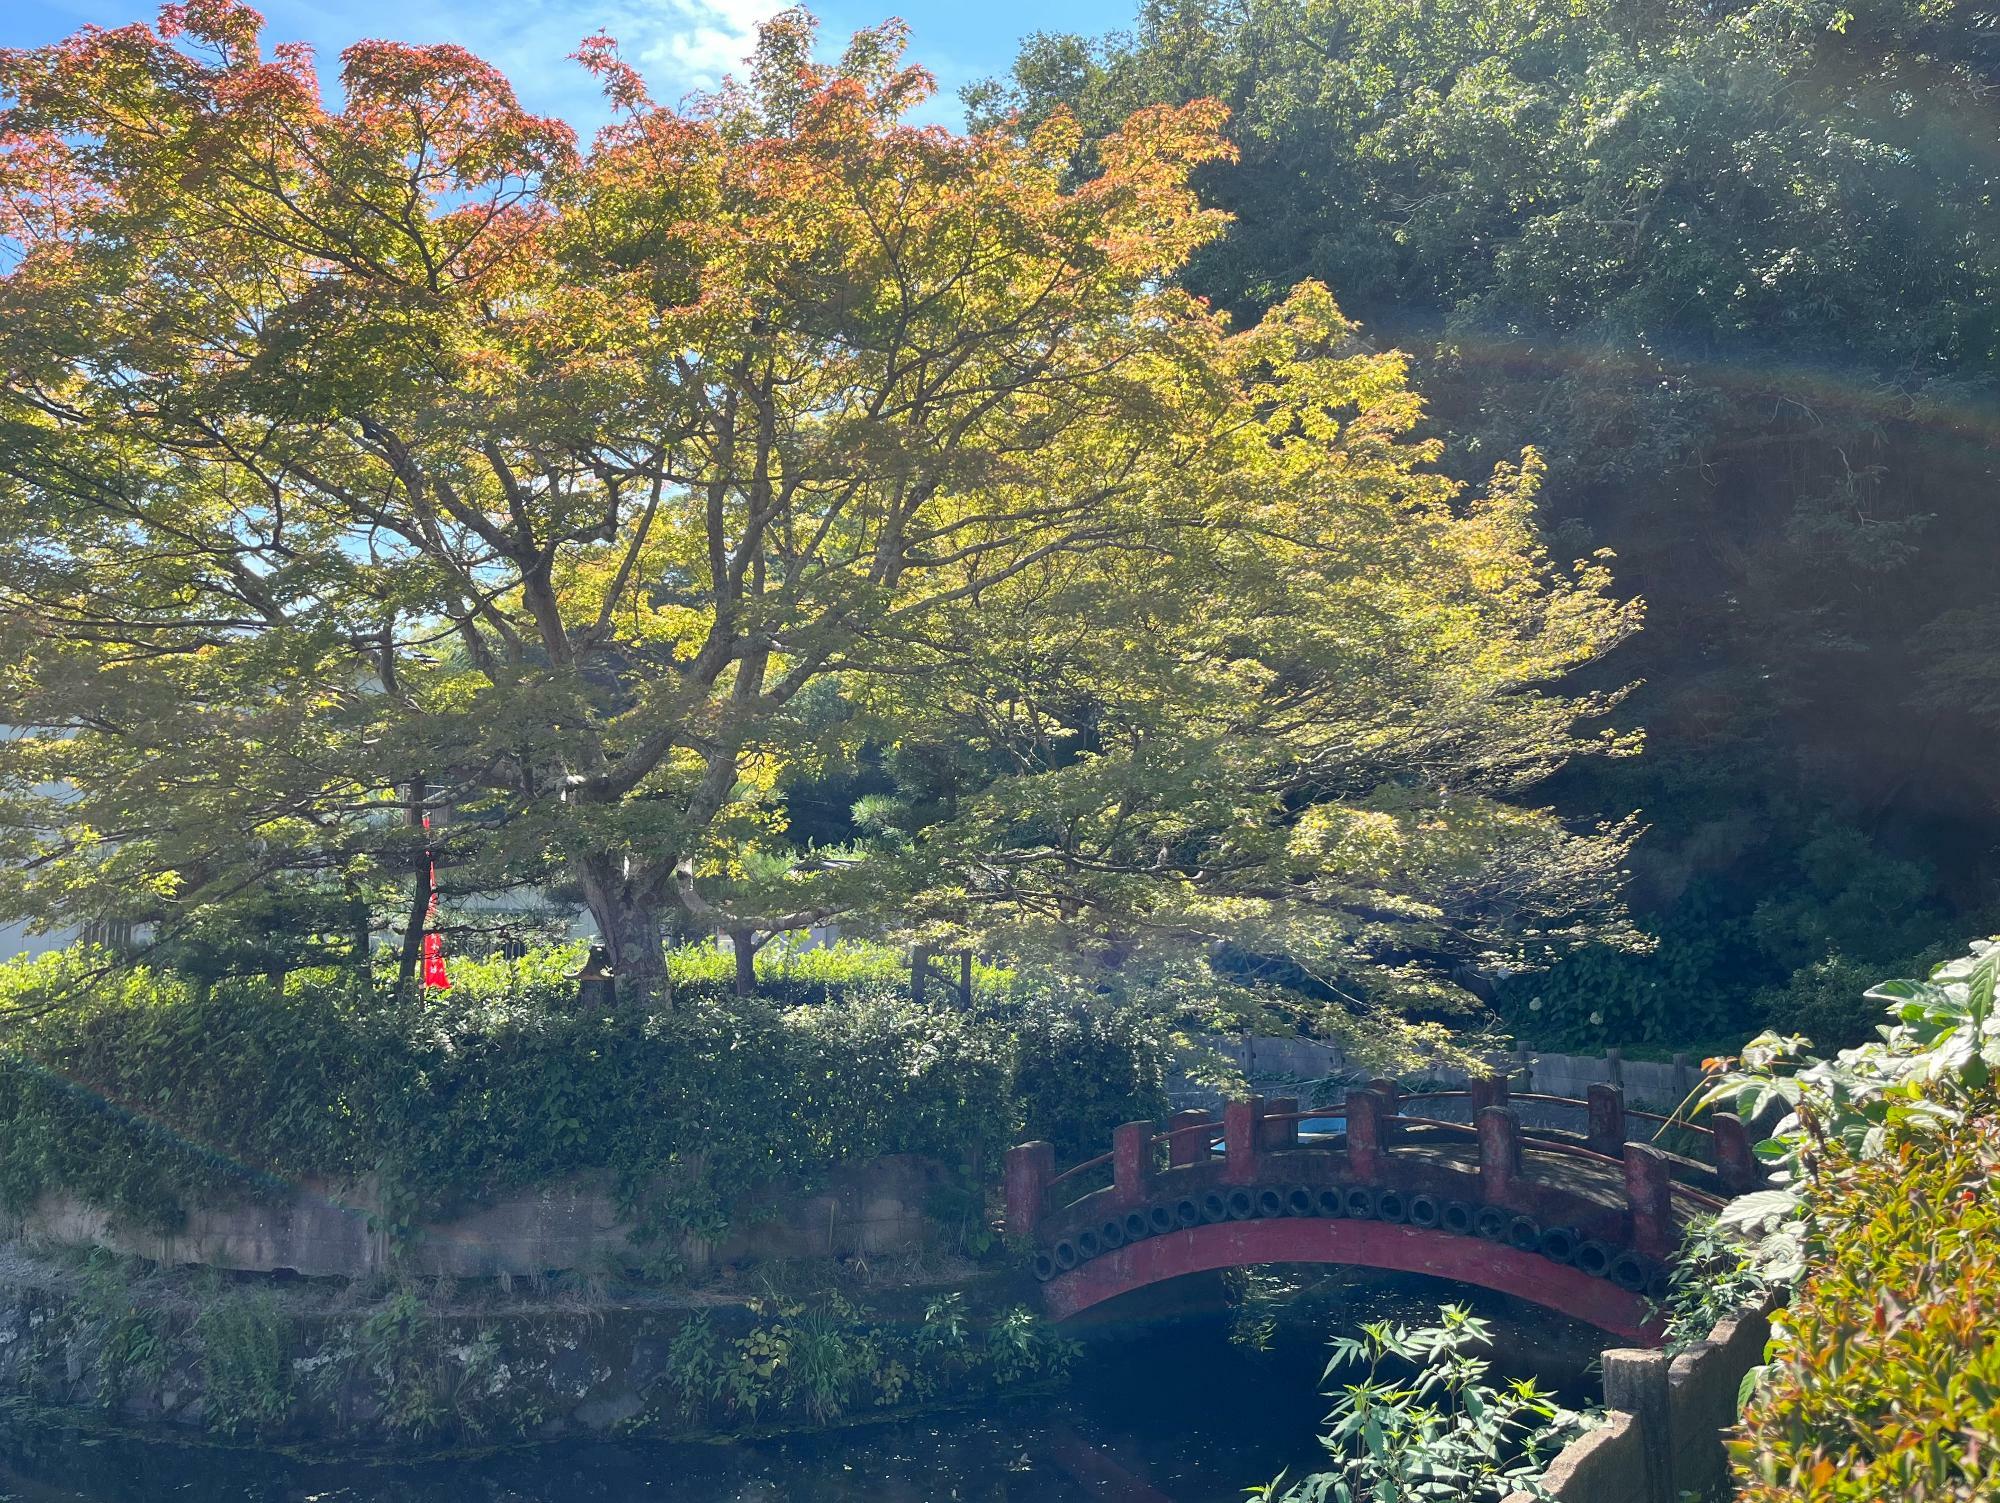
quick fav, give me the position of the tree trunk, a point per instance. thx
(413, 933)
(743, 942)
(361, 931)
(631, 917)
(420, 902)
(634, 935)
(413, 928)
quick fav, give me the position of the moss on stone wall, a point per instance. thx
(336, 1366)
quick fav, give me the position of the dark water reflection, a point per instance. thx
(1162, 1410)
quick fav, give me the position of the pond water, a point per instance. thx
(1188, 1408)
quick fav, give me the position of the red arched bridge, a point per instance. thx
(1578, 1220)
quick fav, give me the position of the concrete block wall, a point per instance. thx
(1668, 1443)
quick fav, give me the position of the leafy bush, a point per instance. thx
(1937, 1058)
(141, 1091)
(1834, 916)
(1670, 993)
(245, 1343)
(1078, 1069)
(1712, 1277)
(426, 1376)
(142, 1088)
(1846, 896)
(1826, 1001)
(830, 973)
(1885, 1376)
(1886, 1382)
(1602, 996)
(822, 1357)
(543, 979)
(1444, 1433)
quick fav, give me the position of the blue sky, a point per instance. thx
(678, 44)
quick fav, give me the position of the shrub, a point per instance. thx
(830, 973)
(1080, 1072)
(1839, 912)
(1826, 1002)
(1885, 1376)
(1712, 1276)
(142, 1092)
(1599, 995)
(543, 979)
(144, 1088)
(1442, 1433)
(245, 1343)
(1886, 1383)
(1937, 1057)
(731, 1092)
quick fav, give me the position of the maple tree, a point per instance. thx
(402, 456)
(1731, 269)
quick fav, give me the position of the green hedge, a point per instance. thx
(142, 1092)
(1886, 1378)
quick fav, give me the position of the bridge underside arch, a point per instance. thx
(1366, 1244)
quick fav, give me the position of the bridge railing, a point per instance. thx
(1373, 1123)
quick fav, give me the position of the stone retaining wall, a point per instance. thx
(866, 1209)
(353, 1373)
(1663, 1438)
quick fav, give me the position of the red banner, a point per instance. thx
(434, 976)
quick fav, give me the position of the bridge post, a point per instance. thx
(1364, 1136)
(1735, 1164)
(1132, 1163)
(1486, 1090)
(1281, 1134)
(1186, 1148)
(1499, 1153)
(1242, 1126)
(1030, 1167)
(1607, 1119)
(1392, 1103)
(1638, 1383)
(1649, 1189)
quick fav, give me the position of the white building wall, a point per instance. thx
(18, 939)
(797, 942)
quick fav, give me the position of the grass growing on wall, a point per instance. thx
(434, 1363)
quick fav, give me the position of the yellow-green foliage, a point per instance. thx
(633, 476)
(1887, 1379)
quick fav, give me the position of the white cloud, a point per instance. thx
(711, 40)
(679, 45)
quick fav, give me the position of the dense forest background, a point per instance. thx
(1731, 269)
